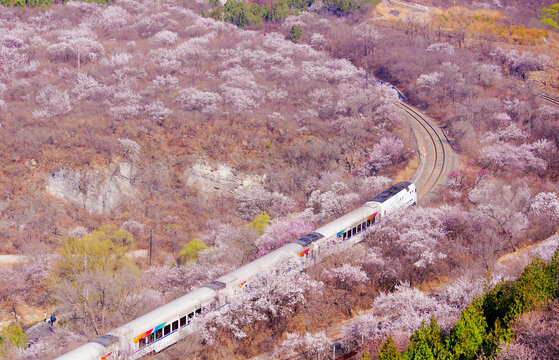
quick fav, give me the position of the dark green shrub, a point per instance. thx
(296, 33)
(388, 351)
(467, 336)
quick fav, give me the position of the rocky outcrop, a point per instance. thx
(218, 178)
(97, 191)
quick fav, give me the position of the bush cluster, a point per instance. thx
(242, 14)
(487, 321)
(550, 16)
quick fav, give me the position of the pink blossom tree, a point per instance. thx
(309, 346)
(52, 102)
(157, 111)
(502, 209)
(164, 37)
(546, 205)
(545, 208)
(90, 89)
(194, 99)
(522, 159)
(272, 296)
(388, 151)
(346, 277)
(283, 230)
(521, 62)
(334, 202)
(429, 81)
(255, 199)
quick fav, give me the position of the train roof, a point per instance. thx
(348, 220)
(89, 351)
(307, 239)
(247, 271)
(391, 191)
(174, 309)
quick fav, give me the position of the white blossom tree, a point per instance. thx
(307, 345)
(52, 102)
(388, 151)
(283, 230)
(334, 202)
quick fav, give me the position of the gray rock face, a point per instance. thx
(218, 177)
(97, 191)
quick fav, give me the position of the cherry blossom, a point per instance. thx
(346, 276)
(52, 102)
(522, 158)
(157, 111)
(88, 88)
(488, 74)
(429, 81)
(164, 37)
(272, 296)
(120, 59)
(113, 17)
(442, 48)
(318, 41)
(511, 132)
(308, 345)
(333, 71)
(385, 153)
(501, 206)
(194, 99)
(332, 203)
(283, 230)
(130, 149)
(546, 205)
(521, 62)
(255, 199)
(168, 82)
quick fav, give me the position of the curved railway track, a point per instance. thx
(435, 153)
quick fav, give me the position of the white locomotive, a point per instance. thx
(162, 327)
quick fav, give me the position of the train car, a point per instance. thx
(161, 327)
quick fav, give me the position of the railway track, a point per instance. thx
(435, 153)
(550, 99)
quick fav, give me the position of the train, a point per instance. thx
(164, 326)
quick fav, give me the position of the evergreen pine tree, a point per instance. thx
(388, 351)
(467, 336)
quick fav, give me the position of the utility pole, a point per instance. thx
(150, 242)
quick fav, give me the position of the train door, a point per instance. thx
(314, 251)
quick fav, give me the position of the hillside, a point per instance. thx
(203, 142)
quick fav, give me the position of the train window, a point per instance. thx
(364, 226)
(142, 342)
(199, 311)
(190, 316)
(151, 338)
(368, 222)
(159, 334)
(349, 233)
(183, 321)
(175, 325)
(344, 236)
(359, 228)
(354, 231)
(167, 330)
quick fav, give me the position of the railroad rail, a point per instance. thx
(550, 99)
(437, 160)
